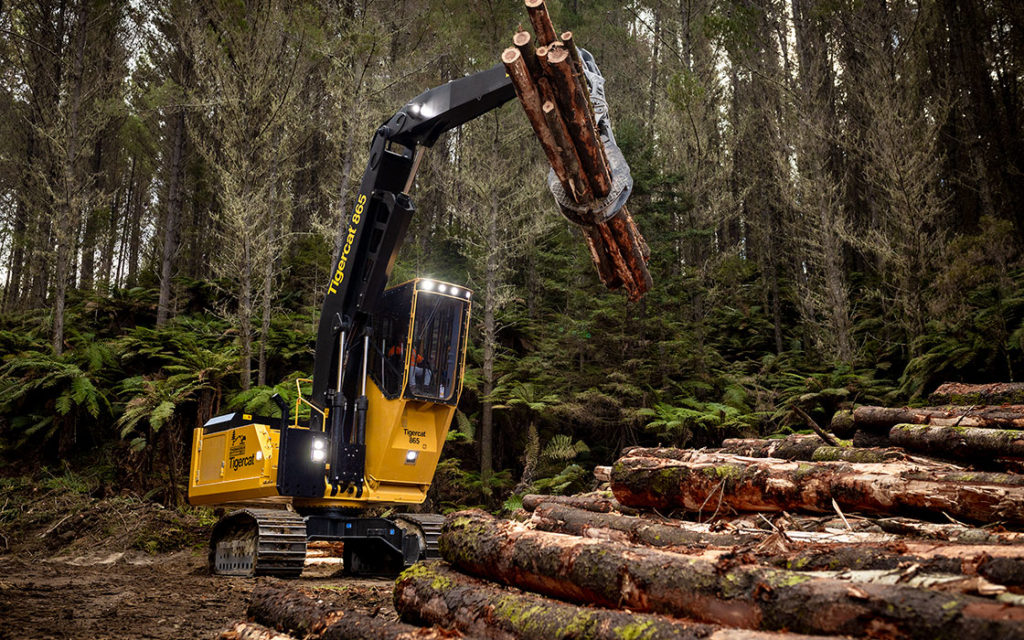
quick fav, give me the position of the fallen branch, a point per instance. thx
(752, 597)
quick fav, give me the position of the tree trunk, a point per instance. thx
(883, 418)
(711, 482)
(491, 275)
(245, 318)
(285, 608)
(293, 611)
(975, 394)
(753, 597)
(961, 443)
(432, 593)
(806, 448)
(794, 550)
(597, 501)
(267, 306)
(172, 221)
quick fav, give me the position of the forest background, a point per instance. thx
(832, 192)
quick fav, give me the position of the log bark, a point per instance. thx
(432, 593)
(807, 448)
(884, 418)
(529, 98)
(579, 187)
(356, 626)
(524, 42)
(598, 501)
(541, 21)
(962, 443)
(956, 533)
(286, 609)
(753, 597)
(574, 108)
(752, 484)
(793, 550)
(972, 394)
(557, 518)
(251, 631)
(842, 423)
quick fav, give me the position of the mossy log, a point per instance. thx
(959, 442)
(750, 484)
(882, 419)
(799, 447)
(979, 394)
(434, 594)
(597, 501)
(288, 609)
(948, 532)
(251, 631)
(752, 597)
(560, 518)
(797, 551)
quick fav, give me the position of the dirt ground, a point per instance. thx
(78, 566)
(148, 596)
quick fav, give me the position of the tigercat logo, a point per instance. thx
(247, 461)
(339, 273)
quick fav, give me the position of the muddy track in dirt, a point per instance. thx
(138, 595)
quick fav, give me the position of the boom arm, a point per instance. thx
(379, 223)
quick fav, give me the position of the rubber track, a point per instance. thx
(281, 540)
(430, 524)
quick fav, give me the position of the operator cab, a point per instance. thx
(420, 332)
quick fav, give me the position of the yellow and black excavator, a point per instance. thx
(387, 377)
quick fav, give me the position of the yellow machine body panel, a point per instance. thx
(233, 465)
(404, 441)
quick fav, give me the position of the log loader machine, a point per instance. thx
(387, 377)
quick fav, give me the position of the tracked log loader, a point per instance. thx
(387, 377)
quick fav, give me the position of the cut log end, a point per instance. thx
(521, 38)
(510, 55)
(557, 55)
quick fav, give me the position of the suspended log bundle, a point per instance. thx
(548, 74)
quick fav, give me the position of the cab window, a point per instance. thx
(436, 342)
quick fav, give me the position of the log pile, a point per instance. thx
(760, 538)
(984, 435)
(548, 74)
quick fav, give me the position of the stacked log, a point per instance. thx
(989, 436)
(548, 76)
(702, 482)
(641, 579)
